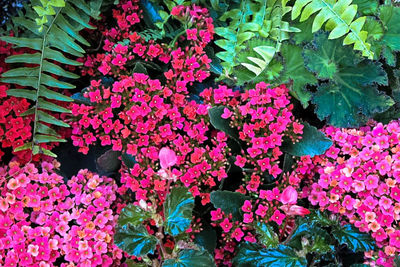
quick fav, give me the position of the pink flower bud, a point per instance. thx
(289, 195)
(167, 157)
(291, 210)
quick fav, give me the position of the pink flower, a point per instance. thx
(167, 158)
(292, 210)
(289, 195)
(226, 225)
(278, 217)
(238, 234)
(33, 250)
(119, 60)
(191, 34)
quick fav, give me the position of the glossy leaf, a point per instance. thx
(133, 215)
(228, 202)
(178, 210)
(207, 239)
(354, 239)
(252, 254)
(221, 124)
(312, 143)
(266, 235)
(191, 258)
(135, 240)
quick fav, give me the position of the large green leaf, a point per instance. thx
(135, 240)
(251, 254)
(390, 42)
(312, 143)
(133, 215)
(207, 238)
(266, 235)
(178, 209)
(297, 73)
(191, 258)
(229, 202)
(354, 239)
(350, 96)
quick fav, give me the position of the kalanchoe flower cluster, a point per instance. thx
(263, 117)
(358, 177)
(45, 222)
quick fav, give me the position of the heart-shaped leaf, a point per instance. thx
(191, 258)
(133, 215)
(228, 202)
(135, 240)
(178, 209)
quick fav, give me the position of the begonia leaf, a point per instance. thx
(220, 123)
(133, 215)
(266, 235)
(252, 254)
(178, 209)
(353, 238)
(191, 258)
(207, 238)
(135, 240)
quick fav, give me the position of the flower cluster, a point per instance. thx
(358, 177)
(45, 222)
(263, 118)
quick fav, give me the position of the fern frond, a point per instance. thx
(56, 43)
(339, 16)
(254, 18)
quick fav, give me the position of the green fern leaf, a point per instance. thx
(61, 32)
(339, 18)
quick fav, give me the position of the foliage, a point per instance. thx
(350, 84)
(61, 32)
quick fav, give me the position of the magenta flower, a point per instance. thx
(289, 195)
(292, 210)
(167, 158)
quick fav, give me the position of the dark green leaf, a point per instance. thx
(252, 254)
(312, 143)
(44, 129)
(229, 202)
(57, 56)
(109, 162)
(191, 258)
(139, 68)
(354, 239)
(40, 138)
(57, 70)
(43, 104)
(178, 209)
(34, 43)
(29, 94)
(222, 124)
(44, 117)
(266, 235)
(207, 239)
(24, 58)
(44, 92)
(50, 81)
(129, 160)
(135, 240)
(133, 215)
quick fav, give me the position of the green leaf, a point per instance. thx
(221, 124)
(312, 143)
(350, 96)
(266, 235)
(44, 129)
(296, 72)
(132, 263)
(390, 42)
(229, 202)
(33, 43)
(29, 94)
(354, 239)
(339, 18)
(252, 254)
(367, 7)
(191, 258)
(207, 239)
(24, 147)
(40, 138)
(178, 209)
(44, 92)
(44, 117)
(43, 104)
(129, 160)
(133, 215)
(135, 240)
(24, 58)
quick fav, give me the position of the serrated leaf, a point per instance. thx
(252, 254)
(229, 202)
(367, 7)
(178, 209)
(135, 240)
(350, 97)
(312, 143)
(296, 72)
(266, 235)
(133, 215)
(354, 239)
(191, 258)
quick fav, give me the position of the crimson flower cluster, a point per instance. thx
(45, 222)
(358, 177)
